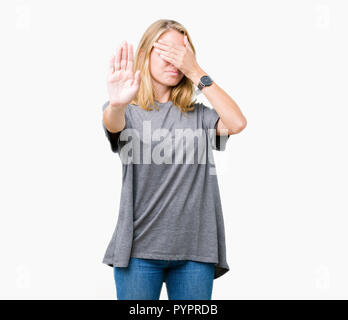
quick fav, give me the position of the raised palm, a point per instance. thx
(122, 83)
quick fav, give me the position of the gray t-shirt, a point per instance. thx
(169, 209)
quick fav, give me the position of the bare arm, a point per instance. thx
(122, 84)
(231, 120)
(114, 118)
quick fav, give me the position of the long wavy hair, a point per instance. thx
(182, 94)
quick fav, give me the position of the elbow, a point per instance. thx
(240, 127)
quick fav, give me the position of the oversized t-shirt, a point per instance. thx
(170, 206)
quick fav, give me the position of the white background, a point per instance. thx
(283, 180)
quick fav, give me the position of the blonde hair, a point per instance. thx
(182, 94)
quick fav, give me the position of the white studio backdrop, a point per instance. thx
(283, 180)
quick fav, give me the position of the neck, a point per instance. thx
(162, 92)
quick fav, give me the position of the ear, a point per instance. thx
(187, 43)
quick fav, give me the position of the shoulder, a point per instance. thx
(195, 108)
(204, 111)
(200, 107)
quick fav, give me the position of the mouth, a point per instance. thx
(173, 72)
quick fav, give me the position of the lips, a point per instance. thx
(173, 71)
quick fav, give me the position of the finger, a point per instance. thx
(124, 55)
(136, 81)
(169, 59)
(118, 58)
(112, 65)
(130, 58)
(167, 47)
(165, 53)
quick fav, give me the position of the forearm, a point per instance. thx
(114, 118)
(224, 105)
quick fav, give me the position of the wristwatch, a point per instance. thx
(205, 81)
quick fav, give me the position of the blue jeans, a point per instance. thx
(143, 279)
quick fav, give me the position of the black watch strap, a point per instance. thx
(205, 81)
(200, 85)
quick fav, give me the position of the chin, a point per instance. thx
(173, 81)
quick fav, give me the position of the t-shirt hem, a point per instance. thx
(218, 272)
(174, 257)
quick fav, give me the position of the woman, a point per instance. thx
(170, 225)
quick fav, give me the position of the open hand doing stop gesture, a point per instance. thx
(122, 83)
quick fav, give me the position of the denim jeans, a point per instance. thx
(185, 279)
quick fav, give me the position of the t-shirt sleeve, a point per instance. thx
(210, 119)
(113, 137)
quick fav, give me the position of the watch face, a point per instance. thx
(207, 81)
